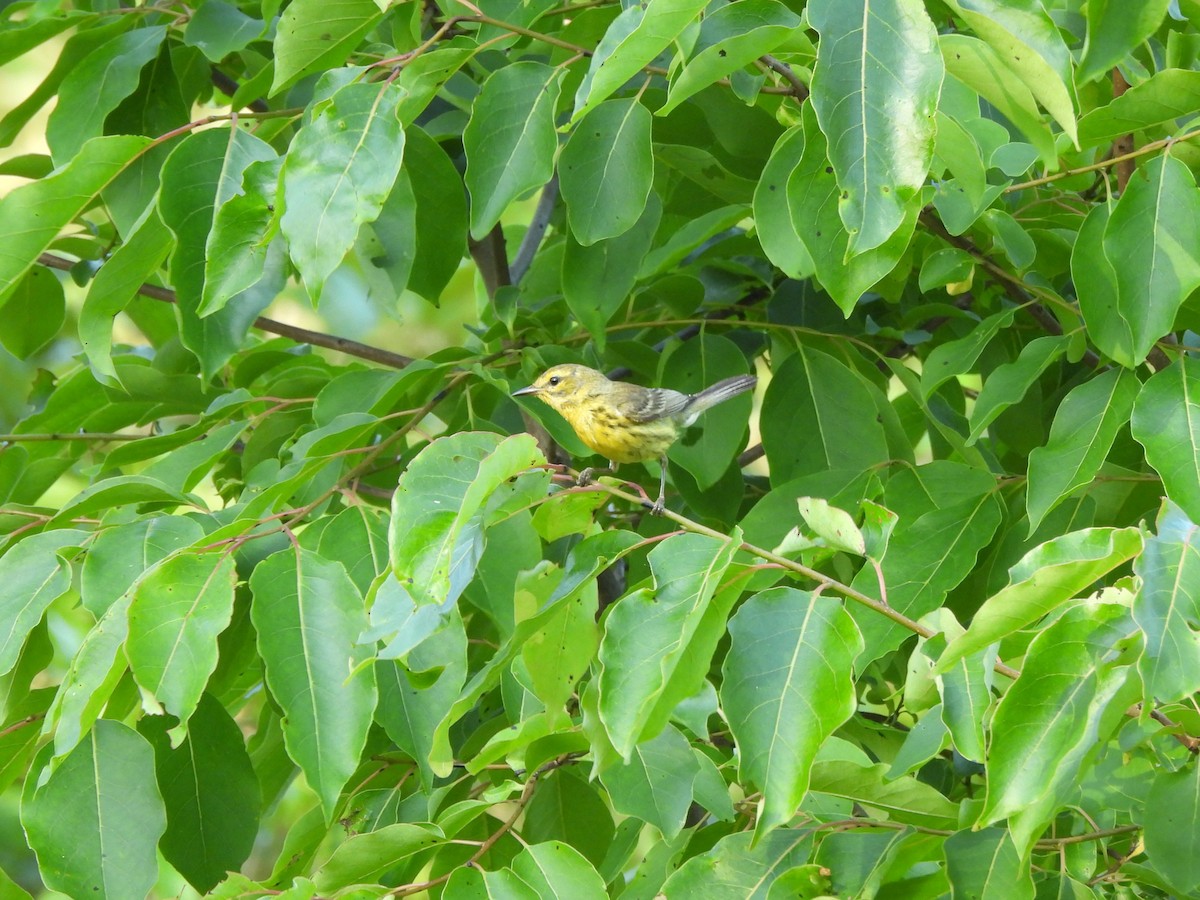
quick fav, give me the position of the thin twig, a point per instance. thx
(271, 326)
(21, 723)
(507, 826)
(535, 232)
(799, 88)
(54, 437)
(1103, 164)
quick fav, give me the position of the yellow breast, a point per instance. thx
(619, 440)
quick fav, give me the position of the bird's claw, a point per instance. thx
(585, 477)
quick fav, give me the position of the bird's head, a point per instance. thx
(559, 386)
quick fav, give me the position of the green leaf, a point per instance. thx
(733, 36)
(76, 47)
(957, 148)
(1159, 100)
(1171, 831)
(116, 284)
(772, 213)
(441, 222)
(237, 248)
(1150, 240)
(958, 357)
(423, 77)
(90, 679)
(441, 506)
(1166, 421)
(121, 489)
(178, 610)
(219, 29)
(924, 561)
(710, 447)
(984, 70)
(1167, 608)
(510, 141)
(308, 616)
(597, 280)
(315, 35)
(1008, 383)
(739, 867)
(859, 859)
(32, 576)
(365, 858)
(33, 314)
(986, 865)
(1114, 29)
(1028, 42)
(210, 791)
(558, 654)
(1085, 426)
(411, 706)
(1070, 696)
(835, 527)
(656, 784)
(813, 197)
(339, 171)
(904, 799)
(19, 37)
(631, 42)
(119, 556)
(946, 266)
(557, 870)
(1045, 578)
(32, 215)
(95, 823)
(884, 137)
(196, 174)
(96, 86)
(966, 691)
(787, 687)
(818, 414)
(646, 636)
(606, 170)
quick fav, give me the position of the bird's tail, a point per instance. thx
(717, 393)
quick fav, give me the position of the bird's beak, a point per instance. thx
(526, 391)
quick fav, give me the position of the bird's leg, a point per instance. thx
(661, 503)
(585, 477)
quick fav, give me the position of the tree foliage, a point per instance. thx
(283, 613)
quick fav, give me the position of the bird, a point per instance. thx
(627, 423)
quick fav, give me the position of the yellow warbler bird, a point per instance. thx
(626, 423)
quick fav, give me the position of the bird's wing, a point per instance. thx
(653, 404)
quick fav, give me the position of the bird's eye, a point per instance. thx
(554, 380)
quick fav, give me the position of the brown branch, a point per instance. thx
(507, 826)
(535, 232)
(1018, 291)
(271, 326)
(1122, 146)
(751, 454)
(799, 88)
(491, 256)
(68, 436)
(21, 723)
(230, 87)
